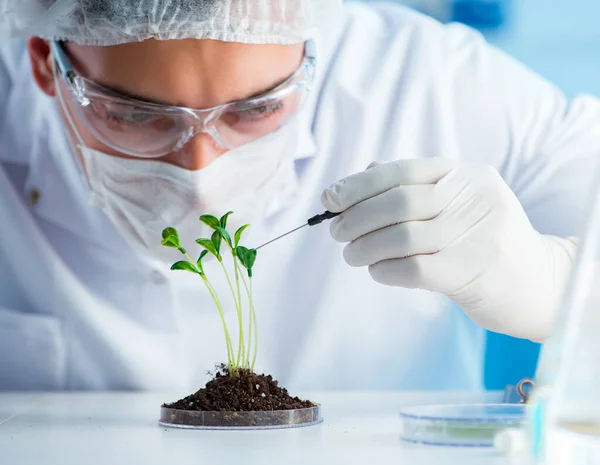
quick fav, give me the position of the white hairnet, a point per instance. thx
(111, 22)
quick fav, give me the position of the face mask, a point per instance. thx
(142, 197)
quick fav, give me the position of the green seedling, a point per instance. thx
(243, 259)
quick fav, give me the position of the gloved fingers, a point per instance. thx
(411, 272)
(378, 179)
(397, 241)
(397, 205)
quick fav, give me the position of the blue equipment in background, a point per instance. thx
(508, 360)
(480, 14)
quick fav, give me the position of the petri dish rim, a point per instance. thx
(249, 420)
(518, 414)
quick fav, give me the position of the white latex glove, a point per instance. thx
(458, 229)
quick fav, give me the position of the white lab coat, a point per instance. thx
(79, 310)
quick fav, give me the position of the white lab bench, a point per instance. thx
(121, 428)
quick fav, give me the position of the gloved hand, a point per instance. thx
(454, 228)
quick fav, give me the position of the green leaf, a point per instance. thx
(216, 239)
(225, 236)
(208, 245)
(240, 252)
(170, 232)
(210, 221)
(224, 219)
(251, 258)
(238, 235)
(171, 241)
(203, 254)
(247, 257)
(185, 266)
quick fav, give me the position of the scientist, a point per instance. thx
(461, 176)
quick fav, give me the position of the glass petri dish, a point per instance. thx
(271, 419)
(460, 425)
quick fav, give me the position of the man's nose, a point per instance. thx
(199, 152)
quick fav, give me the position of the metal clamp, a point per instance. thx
(520, 393)
(524, 388)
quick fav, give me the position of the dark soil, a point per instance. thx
(243, 392)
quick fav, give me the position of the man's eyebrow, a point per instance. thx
(265, 90)
(121, 92)
(118, 91)
(114, 90)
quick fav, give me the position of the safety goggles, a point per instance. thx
(149, 130)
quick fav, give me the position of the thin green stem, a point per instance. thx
(229, 282)
(253, 316)
(253, 320)
(238, 309)
(190, 259)
(244, 280)
(241, 352)
(249, 330)
(213, 293)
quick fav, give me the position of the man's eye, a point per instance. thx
(117, 114)
(264, 111)
(129, 117)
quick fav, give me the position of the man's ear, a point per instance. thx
(41, 65)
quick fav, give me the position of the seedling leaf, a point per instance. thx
(251, 258)
(216, 239)
(224, 219)
(225, 236)
(241, 252)
(203, 254)
(247, 256)
(170, 232)
(238, 235)
(171, 241)
(208, 245)
(186, 266)
(210, 221)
